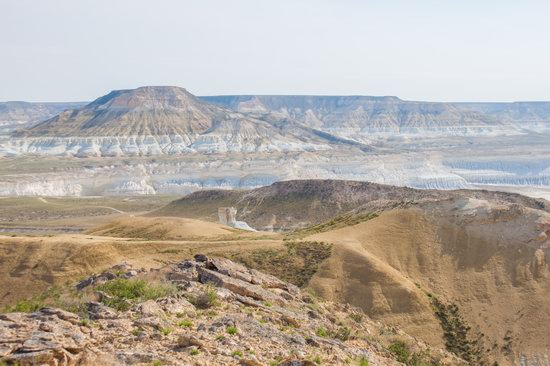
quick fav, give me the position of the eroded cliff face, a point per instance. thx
(363, 117)
(182, 143)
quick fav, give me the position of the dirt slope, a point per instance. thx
(170, 228)
(489, 259)
(29, 265)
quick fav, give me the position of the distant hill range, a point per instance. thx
(361, 117)
(165, 120)
(24, 114)
(161, 121)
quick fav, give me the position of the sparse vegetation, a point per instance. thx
(337, 222)
(457, 333)
(65, 298)
(206, 299)
(321, 332)
(123, 293)
(403, 354)
(296, 264)
(342, 333)
(363, 361)
(237, 354)
(401, 351)
(356, 317)
(27, 305)
(185, 323)
(231, 330)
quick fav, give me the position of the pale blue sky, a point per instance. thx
(441, 50)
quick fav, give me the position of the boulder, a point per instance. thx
(238, 286)
(97, 310)
(185, 341)
(150, 308)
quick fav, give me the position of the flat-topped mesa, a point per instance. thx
(149, 110)
(158, 120)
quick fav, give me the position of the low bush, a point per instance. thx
(205, 299)
(123, 293)
(185, 323)
(401, 351)
(321, 332)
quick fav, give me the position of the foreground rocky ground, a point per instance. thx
(207, 311)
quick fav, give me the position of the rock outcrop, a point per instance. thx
(251, 319)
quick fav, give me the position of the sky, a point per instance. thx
(435, 50)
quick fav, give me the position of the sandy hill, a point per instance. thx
(488, 259)
(165, 228)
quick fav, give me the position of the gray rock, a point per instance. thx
(97, 310)
(238, 286)
(185, 341)
(201, 258)
(130, 358)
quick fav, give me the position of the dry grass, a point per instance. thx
(296, 263)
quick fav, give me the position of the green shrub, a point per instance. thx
(165, 331)
(401, 351)
(363, 362)
(458, 335)
(185, 323)
(231, 330)
(356, 317)
(343, 333)
(124, 292)
(194, 352)
(237, 354)
(27, 305)
(321, 332)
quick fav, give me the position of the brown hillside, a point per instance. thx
(489, 259)
(296, 204)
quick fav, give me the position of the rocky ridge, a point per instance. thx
(220, 313)
(15, 115)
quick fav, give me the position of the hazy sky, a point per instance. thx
(441, 50)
